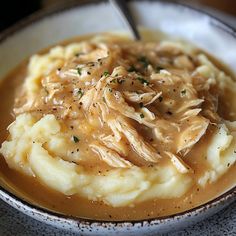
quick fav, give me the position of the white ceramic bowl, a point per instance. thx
(47, 28)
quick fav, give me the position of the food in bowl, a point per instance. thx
(109, 128)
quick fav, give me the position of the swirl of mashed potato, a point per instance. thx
(115, 120)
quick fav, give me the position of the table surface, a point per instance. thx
(12, 222)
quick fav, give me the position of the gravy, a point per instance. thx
(33, 191)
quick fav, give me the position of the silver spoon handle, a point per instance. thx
(122, 8)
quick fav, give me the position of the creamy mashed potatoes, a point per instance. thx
(118, 121)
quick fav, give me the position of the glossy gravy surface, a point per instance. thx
(34, 192)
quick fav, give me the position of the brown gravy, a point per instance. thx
(34, 192)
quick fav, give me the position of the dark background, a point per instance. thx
(12, 11)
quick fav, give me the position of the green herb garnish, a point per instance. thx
(142, 115)
(131, 69)
(144, 61)
(113, 81)
(80, 92)
(79, 70)
(75, 139)
(106, 73)
(143, 81)
(183, 92)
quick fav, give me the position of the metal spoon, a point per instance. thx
(121, 7)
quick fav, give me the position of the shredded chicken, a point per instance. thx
(180, 165)
(115, 101)
(87, 99)
(189, 104)
(192, 133)
(190, 113)
(143, 149)
(111, 157)
(145, 98)
(110, 142)
(119, 96)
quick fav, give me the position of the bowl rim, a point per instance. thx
(7, 196)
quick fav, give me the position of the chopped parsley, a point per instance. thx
(143, 81)
(183, 92)
(113, 81)
(142, 115)
(119, 81)
(145, 62)
(106, 73)
(79, 70)
(132, 69)
(75, 139)
(80, 92)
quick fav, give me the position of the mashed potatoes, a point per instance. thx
(118, 187)
(114, 120)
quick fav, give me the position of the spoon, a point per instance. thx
(122, 9)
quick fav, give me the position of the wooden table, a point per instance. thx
(228, 6)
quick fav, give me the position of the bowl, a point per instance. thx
(49, 27)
